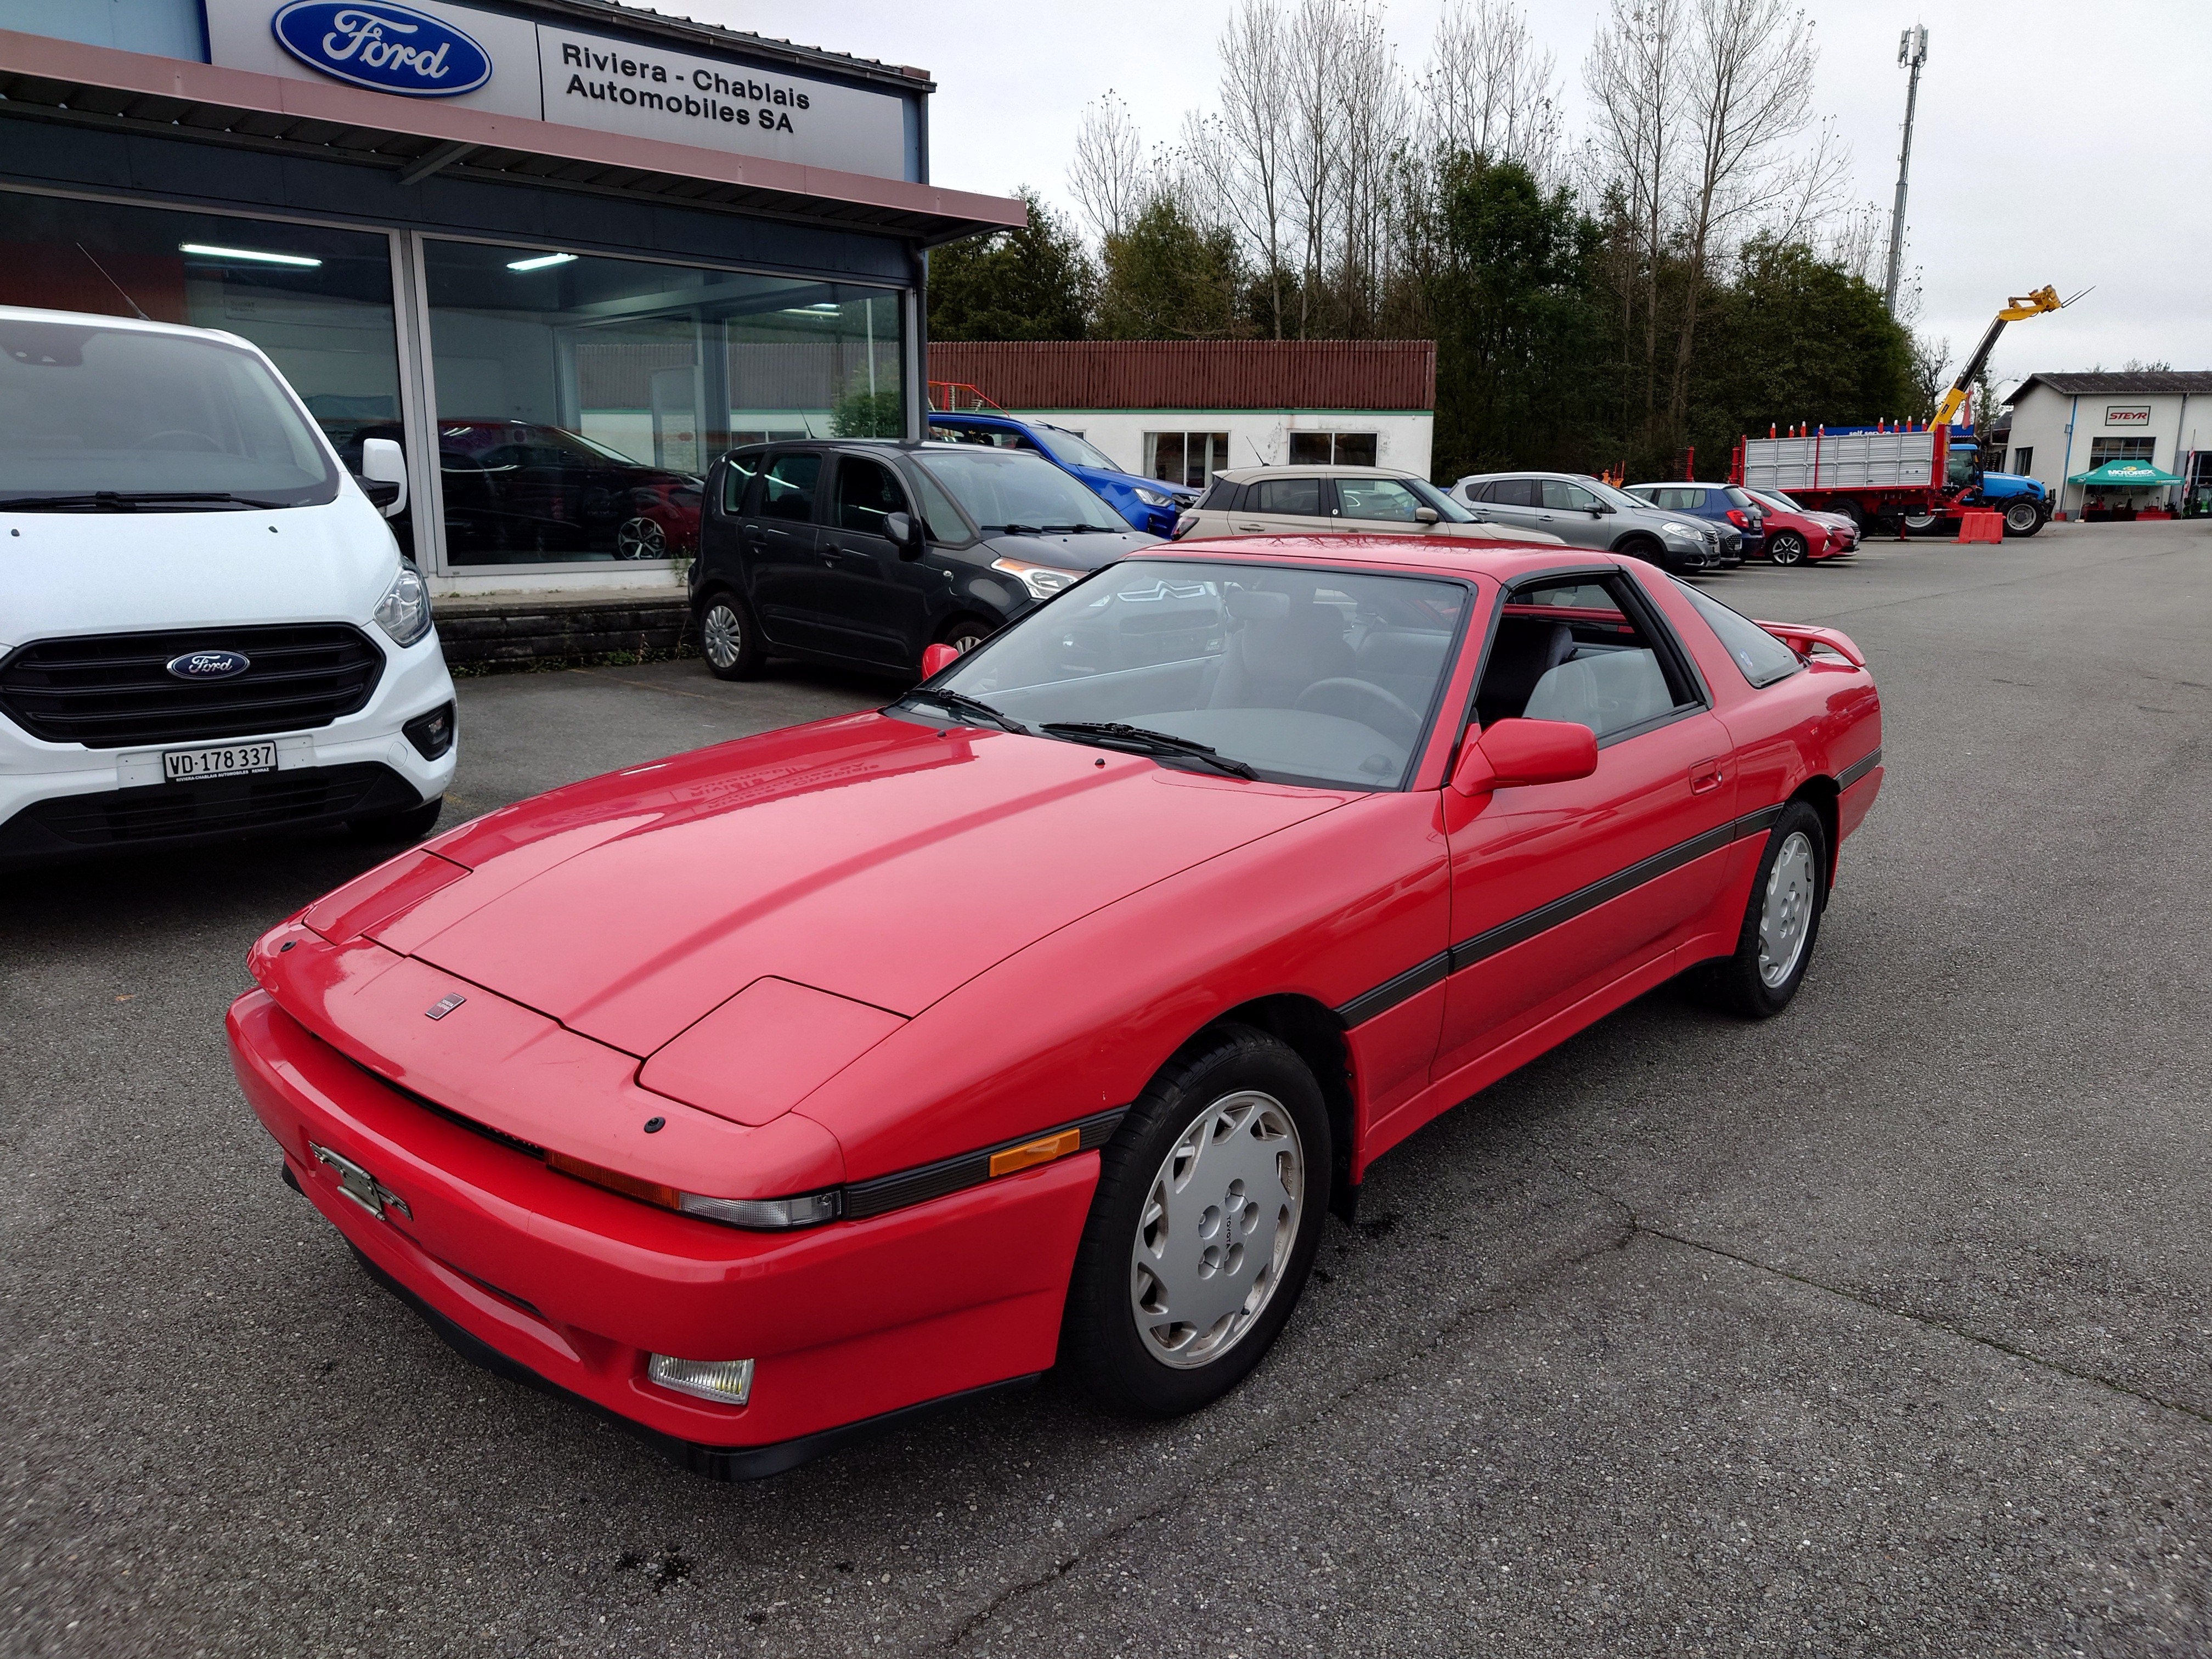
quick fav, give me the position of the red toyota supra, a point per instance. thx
(767, 1092)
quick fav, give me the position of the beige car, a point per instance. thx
(1342, 501)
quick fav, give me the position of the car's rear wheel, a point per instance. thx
(728, 639)
(1782, 921)
(1203, 1227)
(1786, 547)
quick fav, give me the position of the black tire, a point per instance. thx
(1786, 547)
(964, 633)
(1740, 981)
(1104, 1347)
(1851, 510)
(729, 640)
(2023, 518)
(411, 824)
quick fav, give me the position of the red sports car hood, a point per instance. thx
(874, 858)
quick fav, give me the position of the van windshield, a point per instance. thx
(1005, 491)
(94, 418)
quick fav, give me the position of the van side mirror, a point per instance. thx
(384, 475)
(899, 527)
(1515, 754)
(936, 659)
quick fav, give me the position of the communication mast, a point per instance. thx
(1912, 53)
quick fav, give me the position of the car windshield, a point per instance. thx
(1448, 509)
(1072, 447)
(92, 417)
(1004, 490)
(1617, 499)
(1302, 676)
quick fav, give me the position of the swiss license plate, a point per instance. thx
(180, 764)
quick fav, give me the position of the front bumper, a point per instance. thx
(578, 1286)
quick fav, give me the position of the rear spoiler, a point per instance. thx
(1804, 639)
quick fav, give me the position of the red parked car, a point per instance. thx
(1797, 535)
(765, 1093)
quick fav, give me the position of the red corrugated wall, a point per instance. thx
(1194, 373)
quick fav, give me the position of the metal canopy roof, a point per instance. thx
(63, 80)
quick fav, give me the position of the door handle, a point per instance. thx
(1251, 526)
(1705, 777)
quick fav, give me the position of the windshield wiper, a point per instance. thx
(128, 501)
(959, 702)
(1110, 734)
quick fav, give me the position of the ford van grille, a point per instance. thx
(117, 690)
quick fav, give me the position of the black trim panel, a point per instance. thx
(715, 1462)
(905, 1187)
(1392, 992)
(1858, 768)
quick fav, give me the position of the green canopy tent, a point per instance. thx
(2122, 474)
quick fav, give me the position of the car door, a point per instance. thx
(871, 598)
(1512, 503)
(781, 544)
(1560, 889)
(1381, 504)
(1284, 507)
(1570, 512)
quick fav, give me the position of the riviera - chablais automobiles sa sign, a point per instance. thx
(386, 48)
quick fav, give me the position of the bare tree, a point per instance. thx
(1244, 152)
(1110, 174)
(1374, 131)
(1315, 36)
(1491, 91)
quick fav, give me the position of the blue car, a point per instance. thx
(1722, 505)
(1149, 504)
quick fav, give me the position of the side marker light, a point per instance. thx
(725, 1382)
(1031, 1153)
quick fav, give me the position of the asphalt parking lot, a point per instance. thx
(1879, 1328)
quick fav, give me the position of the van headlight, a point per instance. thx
(1042, 580)
(403, 612)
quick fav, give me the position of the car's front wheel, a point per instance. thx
(1782, 921)
(1203, 1228)
(1786, 547)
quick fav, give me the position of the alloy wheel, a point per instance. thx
(1785, 916)
(1217, 1230)
(641, 538)
(722, 634)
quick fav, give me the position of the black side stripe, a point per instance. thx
(1858, 768)
(918, 1186)
(1504, 937)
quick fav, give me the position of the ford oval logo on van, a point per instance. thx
(210, 665)
(386, 48)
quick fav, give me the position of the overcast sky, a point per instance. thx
(2056, 142)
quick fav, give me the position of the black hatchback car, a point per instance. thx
(865, 552)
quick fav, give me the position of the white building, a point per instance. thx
(2065, 425)
(1183, 410)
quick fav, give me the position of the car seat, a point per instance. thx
(1526, 650)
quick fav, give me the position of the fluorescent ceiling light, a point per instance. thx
(207, 250)
(540, 262)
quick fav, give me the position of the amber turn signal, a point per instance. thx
(1031, 1153)
(652, 1192)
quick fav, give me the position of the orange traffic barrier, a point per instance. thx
(1981, 527)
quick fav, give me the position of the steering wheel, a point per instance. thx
(1396, 710)
(198, 441)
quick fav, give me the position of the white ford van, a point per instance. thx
(206, 628)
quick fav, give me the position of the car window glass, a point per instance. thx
(1737, 497)
(1309, 677)
(1219, 496)
(943, 520)
(1675, 499)
(1761, 658)
(1563, 497)
(1514, 492)
(789, 492)
(1299, 497)
(1376, 498)
(1576, 651)
(866, 495)
(737, 477)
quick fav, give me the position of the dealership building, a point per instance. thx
(2065, 427)
(564, 251)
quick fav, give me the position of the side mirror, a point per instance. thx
(1426, 515)
(1515, 754)
(384, 475)
(900, 528)
(936, 659)
(1599, 509)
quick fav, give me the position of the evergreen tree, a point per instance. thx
(1168, 279)
(1031, 283)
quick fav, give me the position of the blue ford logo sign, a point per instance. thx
(386, 48)
(210, 665)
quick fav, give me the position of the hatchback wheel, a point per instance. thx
(1781, 919)
(1786, 547)
(1203, 1227)
(728, 638)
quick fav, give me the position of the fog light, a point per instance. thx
(432, 734)
(726, 1382)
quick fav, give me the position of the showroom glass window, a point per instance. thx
(579, 399)
(317, 302)
(1332, 449)
(1186, 457)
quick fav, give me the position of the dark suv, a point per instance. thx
(865, 552)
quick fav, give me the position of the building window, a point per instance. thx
(2120, 449)
(2023, 460)
(1186, 458)
(1332, 449)
(317, 302)
(580, 398)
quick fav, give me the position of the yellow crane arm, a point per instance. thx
(2018, 309)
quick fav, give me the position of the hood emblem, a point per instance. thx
(444, 1005)
(210, 665)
